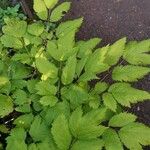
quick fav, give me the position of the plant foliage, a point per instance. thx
(44, 77)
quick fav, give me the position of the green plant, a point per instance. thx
(10, 12)
(44, 75)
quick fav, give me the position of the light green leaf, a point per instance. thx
(48, 101)
(122, 119)
(38, 130)
(109, 101)
(11, 42)
(24, 121)
(20, 97)
(111, 140)
(68, 26)
(3, 80)
(76, 95)
(125, 94)
(45, 88)
(35, 28)
(16, 140)
(19, 71)
(40, 9)
(66, 45)
(87, 127)
(15, 28)
(53, 112)
(80, 65)
(31, 85)
(48, 69)
(129, 73)
(68, 72)
(100, 87)
(115, 52)
(135, 135)
(136, 52)
(61, 133)
(86, 47)
(59, 11)
(50, 3)
(6, 105)
(95, 63)
(25, 108)
(88, 145)
(24, 58)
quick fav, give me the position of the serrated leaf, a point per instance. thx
(115, 52)
(16, 140)
(59, 11)
(25, 108)
(24, 58)
(48, 100)
(66, 45)
(11, 42)
(88, 145)
(31, 85)
(38, 131)
(129, 73)
(50, 3)
(6, 105)
(76, 95)
(112, 140)
(87, 127)
(135, 135)
(87, 76)
(109, 101)
(68, 26)
(61, 133)
(20, 97)
(24, 121)
(53, 112)
(68, 72)
(40, 9)
(19, 71)
(48, 69)
(125, 94)
(136, 52)
(122, 119)
(95, 63)
(86, 47)
(15, 28)
(100, 87)
(35, 28)
(45, 88)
